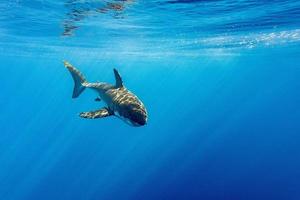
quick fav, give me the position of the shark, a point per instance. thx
(120, 102)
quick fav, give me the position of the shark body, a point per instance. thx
(120, 101)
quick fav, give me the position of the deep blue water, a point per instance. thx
(220, 80)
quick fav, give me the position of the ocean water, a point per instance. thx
(220, 81)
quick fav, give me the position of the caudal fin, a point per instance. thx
(79, 79)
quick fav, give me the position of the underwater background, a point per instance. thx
(220, 81)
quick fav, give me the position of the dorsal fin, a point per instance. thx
(119, 82)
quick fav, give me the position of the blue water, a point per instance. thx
(220, 80)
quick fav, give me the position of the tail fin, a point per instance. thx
(79, 79)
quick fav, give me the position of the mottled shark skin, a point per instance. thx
(120, 101)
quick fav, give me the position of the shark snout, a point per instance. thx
(139, 117)
(142, 121)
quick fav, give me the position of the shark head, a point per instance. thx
(138, 117)
(133, 114)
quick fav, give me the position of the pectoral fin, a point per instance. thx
(103, 112)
